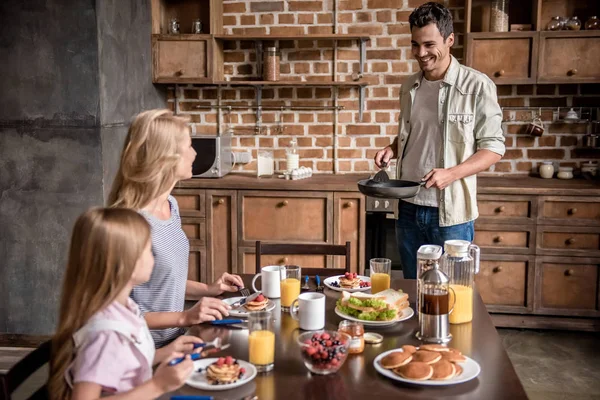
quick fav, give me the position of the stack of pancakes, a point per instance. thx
(430, 361)
(258, 304)
(222, 374)
(349, 283)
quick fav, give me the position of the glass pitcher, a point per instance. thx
(461, 262)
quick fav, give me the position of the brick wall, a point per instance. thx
(388, 63)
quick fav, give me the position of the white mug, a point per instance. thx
(271, 281)
(309, 310)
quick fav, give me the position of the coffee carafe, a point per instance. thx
(434, 306)
(461, 262)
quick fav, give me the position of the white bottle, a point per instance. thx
(292, 156)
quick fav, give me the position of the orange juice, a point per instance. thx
(290, 290)
(379, 282)
(463, 308)
(261, 345)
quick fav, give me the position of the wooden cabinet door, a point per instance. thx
(567, 286)
(247, 260)
(195, 230)
(182, 58)
(569, 57)
(349, 226)
(507, 58)
(191, 202)
(197, 268)
(221, 221)
(285, 217)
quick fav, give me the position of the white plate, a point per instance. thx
(241, 311)
(199, 381)
(327, 282)
(406, 314)
(470, 371)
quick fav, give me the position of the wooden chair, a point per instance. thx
(309, 249)
(23, 370)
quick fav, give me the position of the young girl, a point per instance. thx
(157, 154)
(103, 345)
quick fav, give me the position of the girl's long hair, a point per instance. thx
(105, 247)
(149, 159)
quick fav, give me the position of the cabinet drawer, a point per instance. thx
(571, 210)
(297, 217)
(569, 57)
(248, 260)
(565, 240)
(195, 230)
(191, 202)
(569, 286)
(505, 58)
(499, 239)
(197, 268)
(182, 58)
(503, 284)
(503, 209)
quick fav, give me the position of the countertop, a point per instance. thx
(347, 183)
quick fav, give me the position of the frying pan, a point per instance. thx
(392, 189)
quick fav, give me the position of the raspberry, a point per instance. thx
(229, 360)
(325, 336)
(220, 361)
(242, 370)
(328, 343)
(334, 361)
(310, 351)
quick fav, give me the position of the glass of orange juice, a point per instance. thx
(381, 269)
(261, 340)
(290, 285)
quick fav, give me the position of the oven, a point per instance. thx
(381, 231)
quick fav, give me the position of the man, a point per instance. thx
(450, 129)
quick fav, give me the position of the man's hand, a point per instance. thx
(439, 178)
(384, 155)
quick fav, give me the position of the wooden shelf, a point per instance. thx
(289, 83)
(339, 36)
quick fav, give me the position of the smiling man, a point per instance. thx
(450, 129)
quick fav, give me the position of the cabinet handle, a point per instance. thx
(221, 201)
(349, 204)
(284, 260)
(570, 241)
(569, 272)
(180, 72)
(498, 239)
(571, 211)
(497, 269)
(500, 209)
(284, 203)
(500, 73)
(572, 72)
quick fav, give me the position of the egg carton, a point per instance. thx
(298, 173)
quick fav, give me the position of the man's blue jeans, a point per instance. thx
(419, 225)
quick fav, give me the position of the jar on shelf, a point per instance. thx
(174, 26)
(546, 170)
(592, 24)
(565, 173)
(555, 24)
(499, 16)
(590, 168)
(271, 59)
(574, 24)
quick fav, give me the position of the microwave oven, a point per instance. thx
(214, 158)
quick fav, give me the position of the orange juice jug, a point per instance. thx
(461, 262)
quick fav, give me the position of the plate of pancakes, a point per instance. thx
(349, 283)
(222, 373)
(427, 365)
(256, 303)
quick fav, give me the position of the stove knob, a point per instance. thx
(376, 203)
(386, 204)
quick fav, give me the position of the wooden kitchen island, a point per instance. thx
(540, 239)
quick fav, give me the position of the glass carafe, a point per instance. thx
(461, 262)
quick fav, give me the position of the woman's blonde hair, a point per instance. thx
(149, 159)
(105, 247)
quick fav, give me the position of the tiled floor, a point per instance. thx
(553, 365)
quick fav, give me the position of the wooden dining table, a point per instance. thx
(357, 378)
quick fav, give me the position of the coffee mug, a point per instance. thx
(535, 127)
(309, 310)
(270, 281)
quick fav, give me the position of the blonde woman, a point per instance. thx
(157, 154)
(103, 345)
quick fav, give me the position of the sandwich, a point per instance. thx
(368, 307)
(395, 298)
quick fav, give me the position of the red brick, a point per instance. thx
(302, 117)
(545, 89)
(325, 18)
(366, 118)
(508, 141)
(590, 88)
(566, 141)
(538, 154)
(402, 16)
(267, 19)
(287, 30)
(363, 17)
(304, 55)
(363, 142)
(266, 6)
(208, 118)
(236, 56)
(230, 8)
(391, 130)
(385, 4)
(584, 153)
(383, 104)
(344, 166)
(265, 142)
(285, 68)
(306, 44)
(245, 69)
(305, 5)
(322, 93)
(394, 79)
(567, 128)
(382, 117)
(399, 29)
(286, 18)
(311, 153)
(324, 166)
(568, 89)
(248, 142)
(350, 5)
(349, 153)
(362, 129)
(362, 166)
(524, 166)
(191, 94)
(324, 141)
(399, 67)
(249, 31)
(384, 16)
(229, 20)
(379, 92)
(381, 142)
(502, 166)
(345, 18)
(370, 153)
(306, 18)
(301, 68)
(248, 19)
(293, 129)
(320, 130)
(547, 141)
(586, 101)
(366, 30)
(384, 54)
(403, 41)
(379, 67)
(527, 141)
(511, 102)
(384, 42)
(513, 154)
(321, 68)
(548, 101)
(325, 118)
(504, 90)
(319, 30)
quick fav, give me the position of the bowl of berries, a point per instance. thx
(324, 352)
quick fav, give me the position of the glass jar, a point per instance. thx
(565, 173)
(271, 59)
(499, 16)
(546, 170)
(555, 24)
(574, 24)
(197, 26)
(356, 331)
(592, 24)
(174, 26)
(590, 168)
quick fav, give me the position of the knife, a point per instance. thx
(197, 356)
(243, 301)
(226, 321)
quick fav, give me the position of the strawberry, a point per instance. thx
(311, 350)
(325, 336)
(229, 360)
(260, 298)
(328, 343)
(220, 361)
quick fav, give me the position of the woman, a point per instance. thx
(156, 155)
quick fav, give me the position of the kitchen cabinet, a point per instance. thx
(182, 58)
(569, 57)
(349, 226)
(221, 238)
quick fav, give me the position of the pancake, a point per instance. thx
(396, 359)
(223, 371)
(428, 357)
(458, 370)
(349, 283)
(453, 357)
(443, 370)
(434, 347)
(257, 305)
(418, 371)
(409, 348)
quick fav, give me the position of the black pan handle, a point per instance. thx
(383, 164)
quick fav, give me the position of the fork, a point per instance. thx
(245, 292)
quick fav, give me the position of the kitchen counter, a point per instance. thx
(347, 183)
